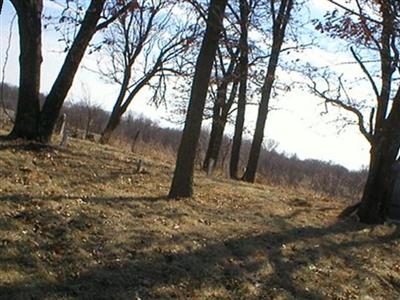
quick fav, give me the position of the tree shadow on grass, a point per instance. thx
(231, 265)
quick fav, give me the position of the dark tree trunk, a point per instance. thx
(54, 101)
(278, 36)
(380, 180)
(241, 108)
(30, 32)
(213, 133)
(220, 112)
(375, 191)
(182, 183)
(385, 137)
(112, 124)
(220, 119)
(214, 145)
(218, 125)
(116, 113)
(122, 103)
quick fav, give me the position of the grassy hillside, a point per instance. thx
(82, 223)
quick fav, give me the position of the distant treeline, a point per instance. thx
(84, 118)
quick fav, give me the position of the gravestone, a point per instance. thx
(211, 166)
(63, 120)
(64, 139)
(393, 210)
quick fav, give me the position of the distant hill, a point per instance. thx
(274, 167)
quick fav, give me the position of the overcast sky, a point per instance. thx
(297, 125)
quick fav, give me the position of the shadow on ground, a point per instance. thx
(269, 263)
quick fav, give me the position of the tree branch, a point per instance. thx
(354, 12)
(366, 72)
(119, 13)
(347, 107)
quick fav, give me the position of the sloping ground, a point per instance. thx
(82, 223)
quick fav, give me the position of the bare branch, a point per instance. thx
(371, 121)
(366, 72)
(119, 13)
(340, 103)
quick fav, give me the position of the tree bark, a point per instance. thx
(241, 107)
(380, 181)
(112, 124)
(30, 33)
(279, 27)
(217, 125)
(182, 183)
(211, 141)
(55, 99)
(220, 118)
(385, 141)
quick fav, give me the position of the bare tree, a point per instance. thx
(232, 65)
(280, 18)
(141, 48)
(221, 107)
(243, 73)
(31, 121)
(374, 29)
(182, 183)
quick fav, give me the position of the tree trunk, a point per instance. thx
(241, 108)
(385, 141)
(214, 145)
(121, 105)
(380, 180)
(278, 37)
(183, 176)
(54, 101)
(112, 124)
(30, 33)
(220, 115)
(211, 141)
(217, 123)
(217, 131)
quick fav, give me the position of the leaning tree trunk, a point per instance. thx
(54, 101)
(30, 33)
(122, 103)
(278, 37)
(119, 109)
(258, 136)
(241, 107)
(112, 124)
(182, 183)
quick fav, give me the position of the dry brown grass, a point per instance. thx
(81, 223)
